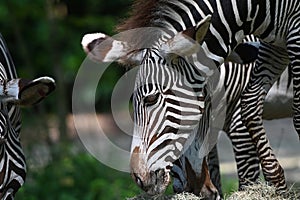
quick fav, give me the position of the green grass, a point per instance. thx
(77, 177)
(229, 185)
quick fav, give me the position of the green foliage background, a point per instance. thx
(77, 177)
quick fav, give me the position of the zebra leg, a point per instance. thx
(296, 100)
(246, 158)
(244, 150)
(271, 168)
(214, 169)
(252, 100)
(293, 51)
(194, 179)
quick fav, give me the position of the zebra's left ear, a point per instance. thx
(33, 91)
(187, 42)
(103, 48)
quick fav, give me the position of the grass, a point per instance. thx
(260, 191)
(181, 196)
(263, 191)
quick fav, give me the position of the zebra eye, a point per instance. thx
(151, 99)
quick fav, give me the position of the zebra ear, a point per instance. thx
(102, 48)
(188, 42)
(244, 53)
(26, 92)
(33, 91)
(202, 28)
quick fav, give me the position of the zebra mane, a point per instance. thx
(158, 13)
(141, 15)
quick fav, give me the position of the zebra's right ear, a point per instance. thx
(187, 42)
(102, 48)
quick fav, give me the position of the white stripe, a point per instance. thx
(223, 19)
(211, 55)
(219, 37)
(236, 14)
(208, 5)
(186, 10)
(196, 6)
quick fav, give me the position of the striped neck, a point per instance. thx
(231, 20)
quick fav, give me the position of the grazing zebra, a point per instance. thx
(218, 26)
(191, 108)
(246, 157)
(15, 92)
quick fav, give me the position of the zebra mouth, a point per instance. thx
(158, 183)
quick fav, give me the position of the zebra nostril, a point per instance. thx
(160, 172)
(138, 180)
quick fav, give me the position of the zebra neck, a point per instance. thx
(232, 20)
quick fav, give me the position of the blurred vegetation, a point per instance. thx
(77, 177)
(44, 39)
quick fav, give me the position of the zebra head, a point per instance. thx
(168, 100)
(168, 104)
(15, 92)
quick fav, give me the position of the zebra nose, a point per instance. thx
(159, 181)
(160, 172)
(138, 180)
(157, 176)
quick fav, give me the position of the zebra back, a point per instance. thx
(6, 60)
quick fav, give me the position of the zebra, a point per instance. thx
(246, 158)
(218, 26)
(207, 185)
(14, 93)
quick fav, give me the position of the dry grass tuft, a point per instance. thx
(262, 191)
(181, 196)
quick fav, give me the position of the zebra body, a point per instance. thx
(275, 22)
(235, 77)
(245, 156)
(14, 92)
